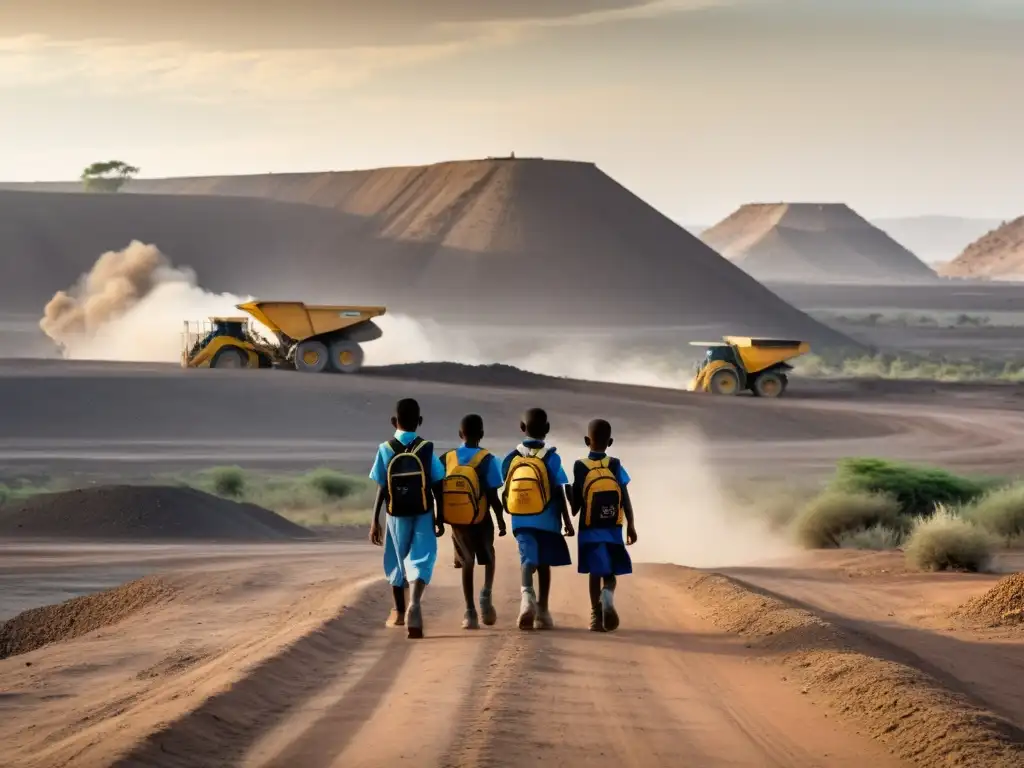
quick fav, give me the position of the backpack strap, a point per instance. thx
(396, 446)
(477, 459)
(451, 461)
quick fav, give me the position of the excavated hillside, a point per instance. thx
(533, 242)
(997, 255)
(811, 243)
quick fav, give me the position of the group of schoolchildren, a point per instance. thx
(420, 493)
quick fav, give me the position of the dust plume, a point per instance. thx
(408, 340)
(683, 516)
(130, 306)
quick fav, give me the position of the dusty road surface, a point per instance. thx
(287, 662)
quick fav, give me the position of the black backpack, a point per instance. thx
(409, 477)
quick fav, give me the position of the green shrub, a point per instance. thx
(917, 489)
(947, 542)
(331, 484)
(823, 521)
(877, 537)
(1000, 512)
(228, 481)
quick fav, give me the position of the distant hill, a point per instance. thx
(807, 242)
(491, 241)
(936, 239)
(998, 255)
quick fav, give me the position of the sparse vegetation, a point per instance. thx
(946, 542)
(917, 490)
(908, 368)
(877, 537)
(1000, 512)
(229, 482)
(826, 519)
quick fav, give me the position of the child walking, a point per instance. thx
(534, 498)
(470, 491)
(600, 496)
(408, 476)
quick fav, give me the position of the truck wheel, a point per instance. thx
(346, 356)
(311, 357)
(724, 381)
(230, 357)
(769, 384)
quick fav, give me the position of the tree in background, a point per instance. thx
(107, 176)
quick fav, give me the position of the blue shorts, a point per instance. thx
(602, 558)
(410, 549)
(537, 547)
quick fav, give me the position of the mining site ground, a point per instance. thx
(268, 655)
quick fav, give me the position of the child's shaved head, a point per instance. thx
(472, 428)
(599, 435)
(535, 423)
(407, 415)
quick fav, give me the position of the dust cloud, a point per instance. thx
(130, 306)
(684, 517)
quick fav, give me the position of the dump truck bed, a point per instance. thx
(758, 354)
(298, 320)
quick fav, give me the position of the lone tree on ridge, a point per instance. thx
(107, 176)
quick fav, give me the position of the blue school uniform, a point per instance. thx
(410, 546)
(540, 537)
(601, 551)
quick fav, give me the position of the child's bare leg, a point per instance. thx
(596, 617)
(489, 575)
(610, 615)
(418, 587)
(544, 582)
(467, 585)
(399, 595)
(610, 582)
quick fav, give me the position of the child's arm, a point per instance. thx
(376, 536)
(574, 501)
(435, 490)
(563, 509)
(494, 500)
(627, 509)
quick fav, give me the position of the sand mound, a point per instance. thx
(53, 623)
(140, 513)
(453, 241)
(1001, 605)
(997, 255)
(902, 706)
(786, 242)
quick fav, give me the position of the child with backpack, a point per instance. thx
(535, 500)
(599, 495)
(408, 475)
(470, 491)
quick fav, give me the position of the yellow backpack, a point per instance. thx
(527, 485)
(602, 495)
(464, 500)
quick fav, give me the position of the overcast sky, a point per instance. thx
(898, 107)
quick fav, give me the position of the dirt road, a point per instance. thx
(287, 662)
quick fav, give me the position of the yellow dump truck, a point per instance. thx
(307, 337)
(738, 363)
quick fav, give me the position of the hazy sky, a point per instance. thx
(896, 107)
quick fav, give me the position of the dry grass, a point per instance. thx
(947, 542)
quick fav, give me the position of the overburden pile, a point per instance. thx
(811, 243)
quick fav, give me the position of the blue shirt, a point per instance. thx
(611, 535)
(549, 519)
(379, 472)
(489, 471)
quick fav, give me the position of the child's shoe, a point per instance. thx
(395, 619)
(596, 620)
(527, 609)
(470, 620)
(543, 619)
(487, 612)
(611, 616)
(414, 621)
